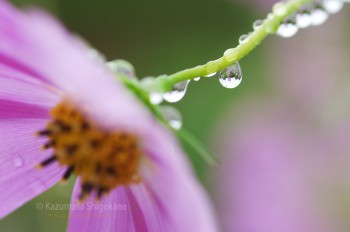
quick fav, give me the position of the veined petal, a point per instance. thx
(19, 148)
(116, 212)
(19, 153)
(26, 185)
(12, 109)
(17, 86)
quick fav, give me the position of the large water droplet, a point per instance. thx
(17, 162)
(318, 16)
(257, 24)
(287, 29)
(231, 76)
(196, 78)
(332, 6)
(172, 115)
(177, 93)
(121, 66)
(303, 19)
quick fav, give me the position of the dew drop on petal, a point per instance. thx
(17, 161)
(172, 115)
(37, 186)
(231, 76)
(257, 24)
(332, 6)
(177, 93)
(287, 29)
(318, 17)
(197, 78)
(303, 19)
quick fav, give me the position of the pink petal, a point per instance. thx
(91, 217)
(36, 45)
(267, 160)
(19, 153)
(17, 86)
(170, 199)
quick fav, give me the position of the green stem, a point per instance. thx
(280, 12)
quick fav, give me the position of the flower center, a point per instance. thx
(102, 159)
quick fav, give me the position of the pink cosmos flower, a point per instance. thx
(88, 124)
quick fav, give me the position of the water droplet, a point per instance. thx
(37, 186)
(279, 9)
(155, 98)
(332, 6)
(211, 74)
(177, 93)
(287, 29)
(96, 55)
(318, 17)
(123, 67)
(243, 38)
(257, 24)
(197, 78)
(231, 76)
(18, 162)
(172, 115)
(303, 19)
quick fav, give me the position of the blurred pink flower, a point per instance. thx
(285, 159)
(48, 83)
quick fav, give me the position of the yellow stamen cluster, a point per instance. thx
(102, 159)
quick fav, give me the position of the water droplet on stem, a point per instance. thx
(318, 16)
(287, 29)
(172, 115)
(177, 93)
(257, 24)
(332, 6)
(231, 76)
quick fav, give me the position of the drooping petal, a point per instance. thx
(19, 153)
(36, 45)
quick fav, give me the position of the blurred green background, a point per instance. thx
(158, 37)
